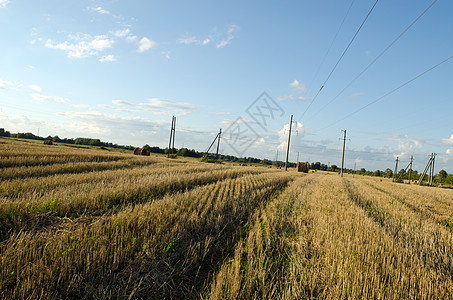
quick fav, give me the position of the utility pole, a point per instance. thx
(342, 157)
(428, 165)
(410, 169)
(353, 174)
(431, 169)
(396, 170)
(171, 135)
(174, 133)
(218, 143)
(289, 139)
(298, 157)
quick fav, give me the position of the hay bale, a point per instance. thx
(144, 152)
(137, 151)
(303, 167)
(47, 142)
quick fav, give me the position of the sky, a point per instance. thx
(119, 70)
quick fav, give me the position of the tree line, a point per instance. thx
(441, 178)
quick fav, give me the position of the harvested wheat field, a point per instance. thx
(86, 223)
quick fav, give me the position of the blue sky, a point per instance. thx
(118, 70)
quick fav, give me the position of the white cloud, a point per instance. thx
(297, 127)
(3, 3)
(448, 141)
(131, 38)
(408, 145)
(107, 58)
(82, 106)
(85, 45)
(292, 98)
(99, 10)
(158, 106)
(449, 151)
(35, 88)
(39, 97)
(220, 40)
(232, 29)
(60, 99)
(122, 32)
(297, 87)
(145, 44)
(166, 54)
(6, 84)
(189, 40)
(44, 98)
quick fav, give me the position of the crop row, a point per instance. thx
(332, 238)
(166, 248)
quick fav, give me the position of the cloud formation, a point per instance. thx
(107, 58)
(145, 44)
(220, 40)
(35, 88)
(448, 141)
(45, 98)
(3, 3)
(292, 98)
(297, 127)
(99, 10)
(232, 29)
(84, 45)
(157, 106)
(297, 87)
(6, 84)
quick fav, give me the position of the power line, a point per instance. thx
(377, 57)
(341, 57)
(331, 44)
(388, 93)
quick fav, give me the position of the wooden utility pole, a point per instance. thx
(173, 120)
(430, 166)
(342, 157)
(396, 170)
(218, 143)
(431, 169)
(297, 157)
(174, 133)
(410, 169)
(289, 139)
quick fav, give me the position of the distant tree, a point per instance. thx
(4, 132)
(442, 175)
(388, 173)
(402, 174)
(449, 179)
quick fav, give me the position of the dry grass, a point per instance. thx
(149, 227)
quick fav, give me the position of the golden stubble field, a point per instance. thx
(86, 223)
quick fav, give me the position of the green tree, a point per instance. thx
(442, 175)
